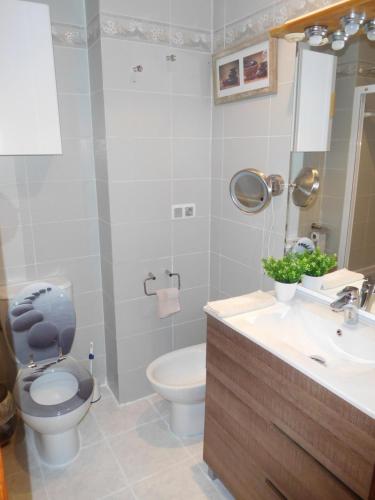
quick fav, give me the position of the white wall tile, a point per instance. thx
(145, 240)
(191, 158)
(49, 201)
(66, 240)
(237, 279)
(249, 117)
(195, 191)
(140, 350)
(191, 116)
(75, 115)
(137, 114)
(140, 201)
(157, 10)
(187, 334)
(241, 243)
(84, 273)
(139, 159)
(138, 316)
(16, 246)
(191, 73)
(193, 14)
(192, 302)
(75, 163)
(249, 152)
(120, 56)
(71, 70)
(89, 308)
(190, 235)
(193, 269)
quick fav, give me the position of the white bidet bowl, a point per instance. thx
(180, 377)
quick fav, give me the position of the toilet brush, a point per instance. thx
(96, 391)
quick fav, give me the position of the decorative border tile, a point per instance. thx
(260, 22)
(69, 35)
(140, 30)
(356, 68)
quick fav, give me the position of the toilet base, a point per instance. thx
(58, 449)
(187, 419)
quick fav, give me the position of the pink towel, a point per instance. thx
(168, 301)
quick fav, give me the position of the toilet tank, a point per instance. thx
(8, 292)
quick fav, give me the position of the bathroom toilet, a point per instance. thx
(52, 390)
(180, 377)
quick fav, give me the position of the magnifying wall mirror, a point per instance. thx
(252, 191)
(305, 187)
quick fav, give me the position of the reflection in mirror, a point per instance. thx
(342, 217)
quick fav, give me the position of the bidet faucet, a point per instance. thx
(348, 301)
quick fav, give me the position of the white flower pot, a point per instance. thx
(312, 282)
(285, 291)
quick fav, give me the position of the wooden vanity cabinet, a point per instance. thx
(271, 432)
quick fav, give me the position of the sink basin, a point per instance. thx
(312, 329)
(310, 337)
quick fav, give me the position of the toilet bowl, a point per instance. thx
(52, 390)
(180, 377)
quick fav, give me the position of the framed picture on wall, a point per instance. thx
(248, 70)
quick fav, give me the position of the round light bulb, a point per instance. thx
(338, 44)
(371, 35)
(351, 28)
(315, 40)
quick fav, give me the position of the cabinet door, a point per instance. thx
(29, 118)
(314, 106)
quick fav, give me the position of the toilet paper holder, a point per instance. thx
(152, 277)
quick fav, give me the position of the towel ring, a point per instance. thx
(178, 278)
(150, 277)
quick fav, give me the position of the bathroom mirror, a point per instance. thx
(305, 187)
(252, 191)
(341, 217)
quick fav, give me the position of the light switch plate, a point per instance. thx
(185, 211)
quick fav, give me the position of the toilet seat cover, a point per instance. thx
(41, 323)
(26, 377)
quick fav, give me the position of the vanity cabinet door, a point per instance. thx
(321, 434)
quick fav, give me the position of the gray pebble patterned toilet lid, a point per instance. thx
(41, 326)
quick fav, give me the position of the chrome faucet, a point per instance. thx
(349, 302)
(366, 293)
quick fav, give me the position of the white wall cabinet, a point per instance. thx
(29, 117)
(314, 101)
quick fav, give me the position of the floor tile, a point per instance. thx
(94, 474)
(194, 446)
(125, 494)
(26, 486)
(147, 450)
(105, 392)
(162, 406)
(89, 430)
(183, 482)
(113, 418)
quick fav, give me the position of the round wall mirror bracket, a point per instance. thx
(252, 191)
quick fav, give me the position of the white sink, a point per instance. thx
(313, 330)
(313, 339)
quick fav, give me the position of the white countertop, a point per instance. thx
(344, 375)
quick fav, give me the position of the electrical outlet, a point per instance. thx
(186, 211)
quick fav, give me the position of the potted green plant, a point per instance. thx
(315, 265)
(286, 272)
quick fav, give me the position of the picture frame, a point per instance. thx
(246, 70)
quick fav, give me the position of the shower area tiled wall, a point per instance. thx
(152, 131)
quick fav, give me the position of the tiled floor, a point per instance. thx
(128, 452)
